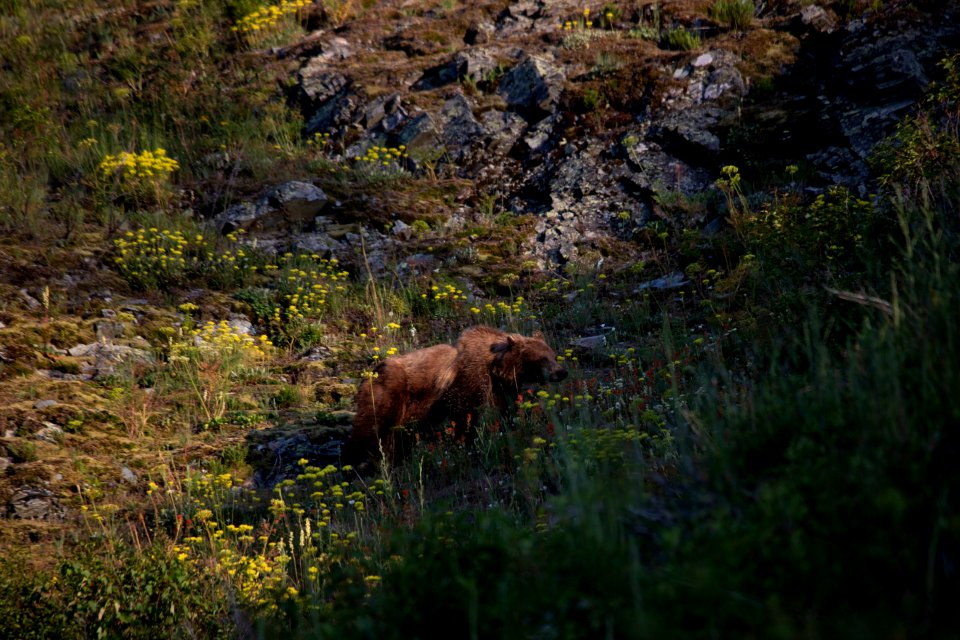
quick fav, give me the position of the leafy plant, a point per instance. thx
(117, 591)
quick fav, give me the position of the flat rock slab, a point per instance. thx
(35, 503)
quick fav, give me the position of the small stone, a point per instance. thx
(402, 230)
(818, 18)
(32, 302)
(128, 475)
(44, 404)
(590, 342)
(671, 281)
(703, 60)
(241, 325)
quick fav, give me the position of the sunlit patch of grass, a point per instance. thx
(735, 14)
(208, 360)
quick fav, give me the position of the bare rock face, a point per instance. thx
(507, 112)
(819, 18)
(533, 86)
(476, 63)
(35, 503)
(291, 205)
(855, 82)
(102, 359)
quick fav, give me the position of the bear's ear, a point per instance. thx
(503, 346)
(538, 335)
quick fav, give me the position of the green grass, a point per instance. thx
(768, 451)
(680, 39)
(734, 14)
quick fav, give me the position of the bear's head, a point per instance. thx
(522, 360)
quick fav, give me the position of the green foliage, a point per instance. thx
(22, 450)
(680, 39)
(823, 436)
(922, 160)
(644, 32)
(286, 397)
(651, 31)
(488, 576)
(829, 232)
(592, 99)
(206, 361)
(735, 14)
(123, 593)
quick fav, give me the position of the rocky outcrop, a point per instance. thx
(509, 112)
(35, 503)
(854, 82)
(102, 359)
(291, 205)
(533, 86)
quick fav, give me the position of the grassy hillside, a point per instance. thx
(768, 450)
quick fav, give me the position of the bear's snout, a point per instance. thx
(557, 375)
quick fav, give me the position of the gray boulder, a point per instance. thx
(35, 503)
(103, 359)
(419, 134)
(461, 130)
(534, 85)
(290, 205)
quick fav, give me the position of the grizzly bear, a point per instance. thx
(442, 384)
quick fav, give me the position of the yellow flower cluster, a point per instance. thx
(155, 258)
(328, 494)
(581, 22)
(221, 337)
(308, 289)
(449, 299)
(149, 166)
(305, 552)
(448, 292)
(258, 577)
(385, 158)
(266, 17)
(153, 255)
(208, 485)
(319, 140)
(388, 340)
(606, 444)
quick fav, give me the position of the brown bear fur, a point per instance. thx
(442, 384)
(405, 388)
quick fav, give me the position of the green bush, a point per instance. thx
(922, 159)
(488, 576)
(834, 497)
(120, 593)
